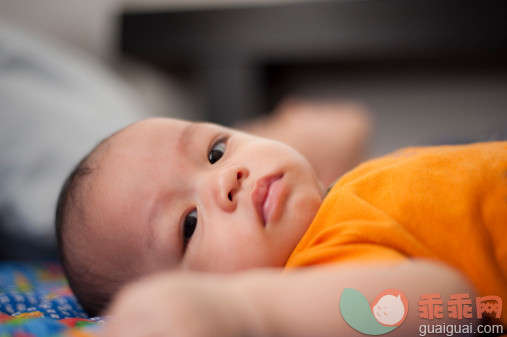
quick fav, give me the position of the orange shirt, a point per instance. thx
(447, 203)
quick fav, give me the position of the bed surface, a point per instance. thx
(35, 300)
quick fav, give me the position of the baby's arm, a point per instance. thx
(268, 303)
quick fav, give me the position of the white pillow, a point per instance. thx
(55, 105)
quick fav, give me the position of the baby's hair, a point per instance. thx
(90, 289)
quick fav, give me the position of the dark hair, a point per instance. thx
(88, 286)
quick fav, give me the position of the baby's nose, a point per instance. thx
(229, 183)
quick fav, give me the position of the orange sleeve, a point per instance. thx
(447, 203)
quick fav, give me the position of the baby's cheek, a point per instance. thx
(235, 253)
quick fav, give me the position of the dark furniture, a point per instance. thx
(241, 56)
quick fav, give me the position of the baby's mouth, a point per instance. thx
(262, 197)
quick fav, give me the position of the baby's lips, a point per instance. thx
(260, 193)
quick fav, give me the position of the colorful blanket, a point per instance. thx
(35, 301)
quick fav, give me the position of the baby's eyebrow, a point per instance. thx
(171, 252)
(187, 134)
(152, 215)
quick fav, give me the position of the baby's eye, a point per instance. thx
(189, 224)
(217, 151)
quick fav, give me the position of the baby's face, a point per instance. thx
(182, 195)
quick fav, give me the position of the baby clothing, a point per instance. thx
(447, 203)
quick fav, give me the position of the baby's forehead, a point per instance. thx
(153, 125)
(122, 189)
(149, 133)
(165, 134)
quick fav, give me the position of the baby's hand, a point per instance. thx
(178, 304)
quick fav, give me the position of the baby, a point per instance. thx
(182, 197)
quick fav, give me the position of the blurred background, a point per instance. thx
(72, 72)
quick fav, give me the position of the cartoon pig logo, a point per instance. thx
(389, 310)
